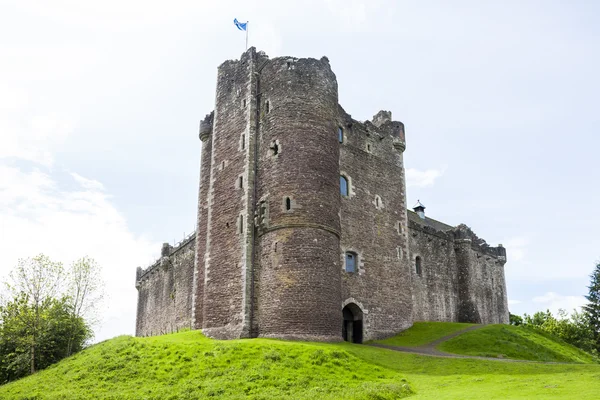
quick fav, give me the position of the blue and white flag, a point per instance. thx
(240, 25)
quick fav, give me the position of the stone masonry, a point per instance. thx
(303, 230)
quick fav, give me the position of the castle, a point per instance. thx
(303, 230)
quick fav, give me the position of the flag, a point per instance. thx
(240, 25)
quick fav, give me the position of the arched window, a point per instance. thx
(288, 204)
(418, 267)
(351, 261)
(241, 224)
(343, 185)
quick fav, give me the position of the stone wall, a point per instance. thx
(165, 291)
(298, 278)
(436, 288)
(461, 279)
(374, 224)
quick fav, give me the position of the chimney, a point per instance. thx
(419, 209)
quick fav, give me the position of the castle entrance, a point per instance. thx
(352, 330)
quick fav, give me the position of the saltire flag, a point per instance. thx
(240, 25)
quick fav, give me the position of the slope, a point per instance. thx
(515, 342)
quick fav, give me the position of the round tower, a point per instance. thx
(298, 286)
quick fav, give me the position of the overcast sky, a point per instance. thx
(100, 103)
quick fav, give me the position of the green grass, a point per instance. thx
(424, 332)
(465, 379)
(506, 341)
(189, 366)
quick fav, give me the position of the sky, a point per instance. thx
(100, 103)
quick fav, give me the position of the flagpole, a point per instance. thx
(247, 27)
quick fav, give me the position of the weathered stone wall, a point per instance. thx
(165, 291)
(298, 281)
(462, 278)
(205, 136)
(436, 288)
(374, 224)
(227, 252)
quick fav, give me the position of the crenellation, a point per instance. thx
(281, 252)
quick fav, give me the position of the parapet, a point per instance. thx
(382, 117)
(462, 233)
(166, 252)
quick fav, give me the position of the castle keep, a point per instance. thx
(303, 230)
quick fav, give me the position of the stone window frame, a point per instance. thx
(240, 224)
(341, 134)
(239, 182)
(399, 227)
(351, 192)
(369, 147)
(378, 203)
(268, 106)
(293, 204)
(243, 141)
(399, 252)
(418, 265)
(359, 263)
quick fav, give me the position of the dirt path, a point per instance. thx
(429, 349)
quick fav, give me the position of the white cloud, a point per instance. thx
(513, 302)
(554, 301)
(38, 216)
(87, 183)
(417, 178)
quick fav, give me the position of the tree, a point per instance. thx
(515, 319)
(592, 308)
(38, 279)
(53, 328)
(85, 292)
(49, 312)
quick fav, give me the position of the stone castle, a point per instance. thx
(303, 230)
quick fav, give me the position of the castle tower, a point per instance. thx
(268, 248)
(298, 280)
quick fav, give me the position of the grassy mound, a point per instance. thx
(190, 366)
(515, 342)
(422, 333)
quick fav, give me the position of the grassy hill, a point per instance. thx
(422, 333)
(189, 366)
(505, 341)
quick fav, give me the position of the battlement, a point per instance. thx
(167, 251)
(459, 234)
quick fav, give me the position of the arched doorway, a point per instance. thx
(352, 330)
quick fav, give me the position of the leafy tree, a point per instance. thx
(48, 314)
(592, 309)
(51, 325)
(515, 319)
(85, 291)
(39, 280)
(573, 329)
